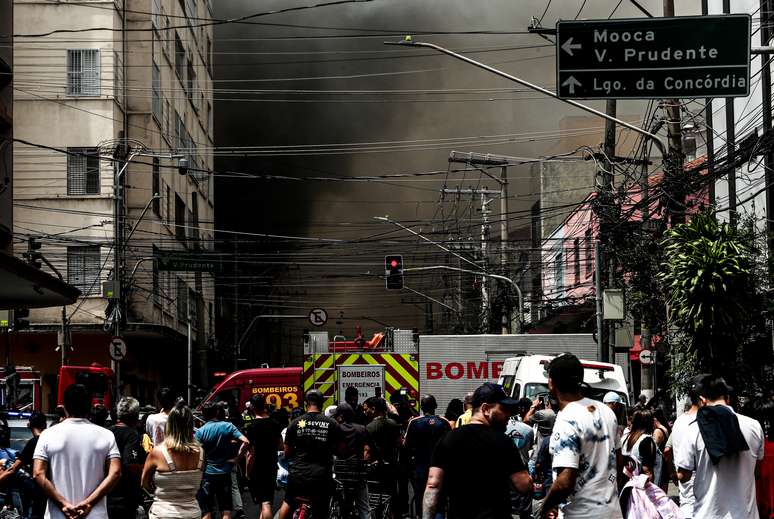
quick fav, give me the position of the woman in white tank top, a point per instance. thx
(174, 468)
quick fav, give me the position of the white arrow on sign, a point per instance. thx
(569, 46)
(571, 83)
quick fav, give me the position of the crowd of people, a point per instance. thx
(561, 454)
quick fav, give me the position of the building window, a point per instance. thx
(180, 59)
(83, 72)
(167, 131)
(156, 87)
(191, 78)
(83, 266)
(118, 78)
(589, 247)
(208, 55)
(156, 186)
(83, 171)
(167, 204)
(179, 218)
(559, 270)
(156, 14)
(576, 260)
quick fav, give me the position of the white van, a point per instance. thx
(527, 376)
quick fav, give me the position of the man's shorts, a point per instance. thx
(215, 493)
(262, 485)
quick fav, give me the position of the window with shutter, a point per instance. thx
(156, 87)
(180, 58)
(83, 269)
(156, 186)
(83, 171)
(83, 72)
(156, 14)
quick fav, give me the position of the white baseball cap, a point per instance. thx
(611, 397)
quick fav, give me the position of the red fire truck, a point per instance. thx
(280, 386)
(98, 379)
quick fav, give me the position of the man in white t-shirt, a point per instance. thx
(677, 442)
(725, 488)
(155, 423)
(76, 463)
(584, 446)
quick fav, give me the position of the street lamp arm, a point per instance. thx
(410, 43)
(482, 274)
(415, 233)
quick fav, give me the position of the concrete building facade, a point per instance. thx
(136, 78)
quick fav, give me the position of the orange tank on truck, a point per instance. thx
(281, 387)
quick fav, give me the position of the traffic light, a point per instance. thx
(33, 254)
(20, 321)
(393, 272)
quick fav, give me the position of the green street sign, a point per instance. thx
(641, 58)
(182, 262)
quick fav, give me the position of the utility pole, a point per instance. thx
(710, 134)
(673, 167)
(768, 157)
(485, 195)
(488, 160)
(606, 221)
(119, 166)
(731, 140)
(189, 354)
(601, 348)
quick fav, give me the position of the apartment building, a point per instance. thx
(124, 79)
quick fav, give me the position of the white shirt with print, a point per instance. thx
(585, 438)
(725, 490)
(155, 425)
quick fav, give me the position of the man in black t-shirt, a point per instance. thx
(384, 441)
(310, 443)
(421, 438)
(265, 438)
(37, 424)
(126, 496)
(477, 465)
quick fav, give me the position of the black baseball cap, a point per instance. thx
(567, 368)
(490, 393)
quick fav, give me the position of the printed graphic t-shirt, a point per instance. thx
(313, 438)
(585, 438)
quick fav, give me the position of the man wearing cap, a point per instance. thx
(584, 446)
(614, 401)
(720, 451)
(477, 465)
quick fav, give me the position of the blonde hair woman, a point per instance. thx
(175, 468)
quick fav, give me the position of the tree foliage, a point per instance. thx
(707, 276)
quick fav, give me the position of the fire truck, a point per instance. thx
(20, 388)
(99, 381)
(379, 366)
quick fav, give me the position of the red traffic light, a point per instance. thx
(394, 263)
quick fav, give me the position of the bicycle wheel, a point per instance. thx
(335, 509)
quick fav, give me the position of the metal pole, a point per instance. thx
(189, 356)
(479, 273)
(710, 134)
(411, 43)
(768, 158)
(598, 298)
(484, 238)
(504, 233)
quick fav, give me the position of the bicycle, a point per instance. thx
(303, 508)
(349, 478)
